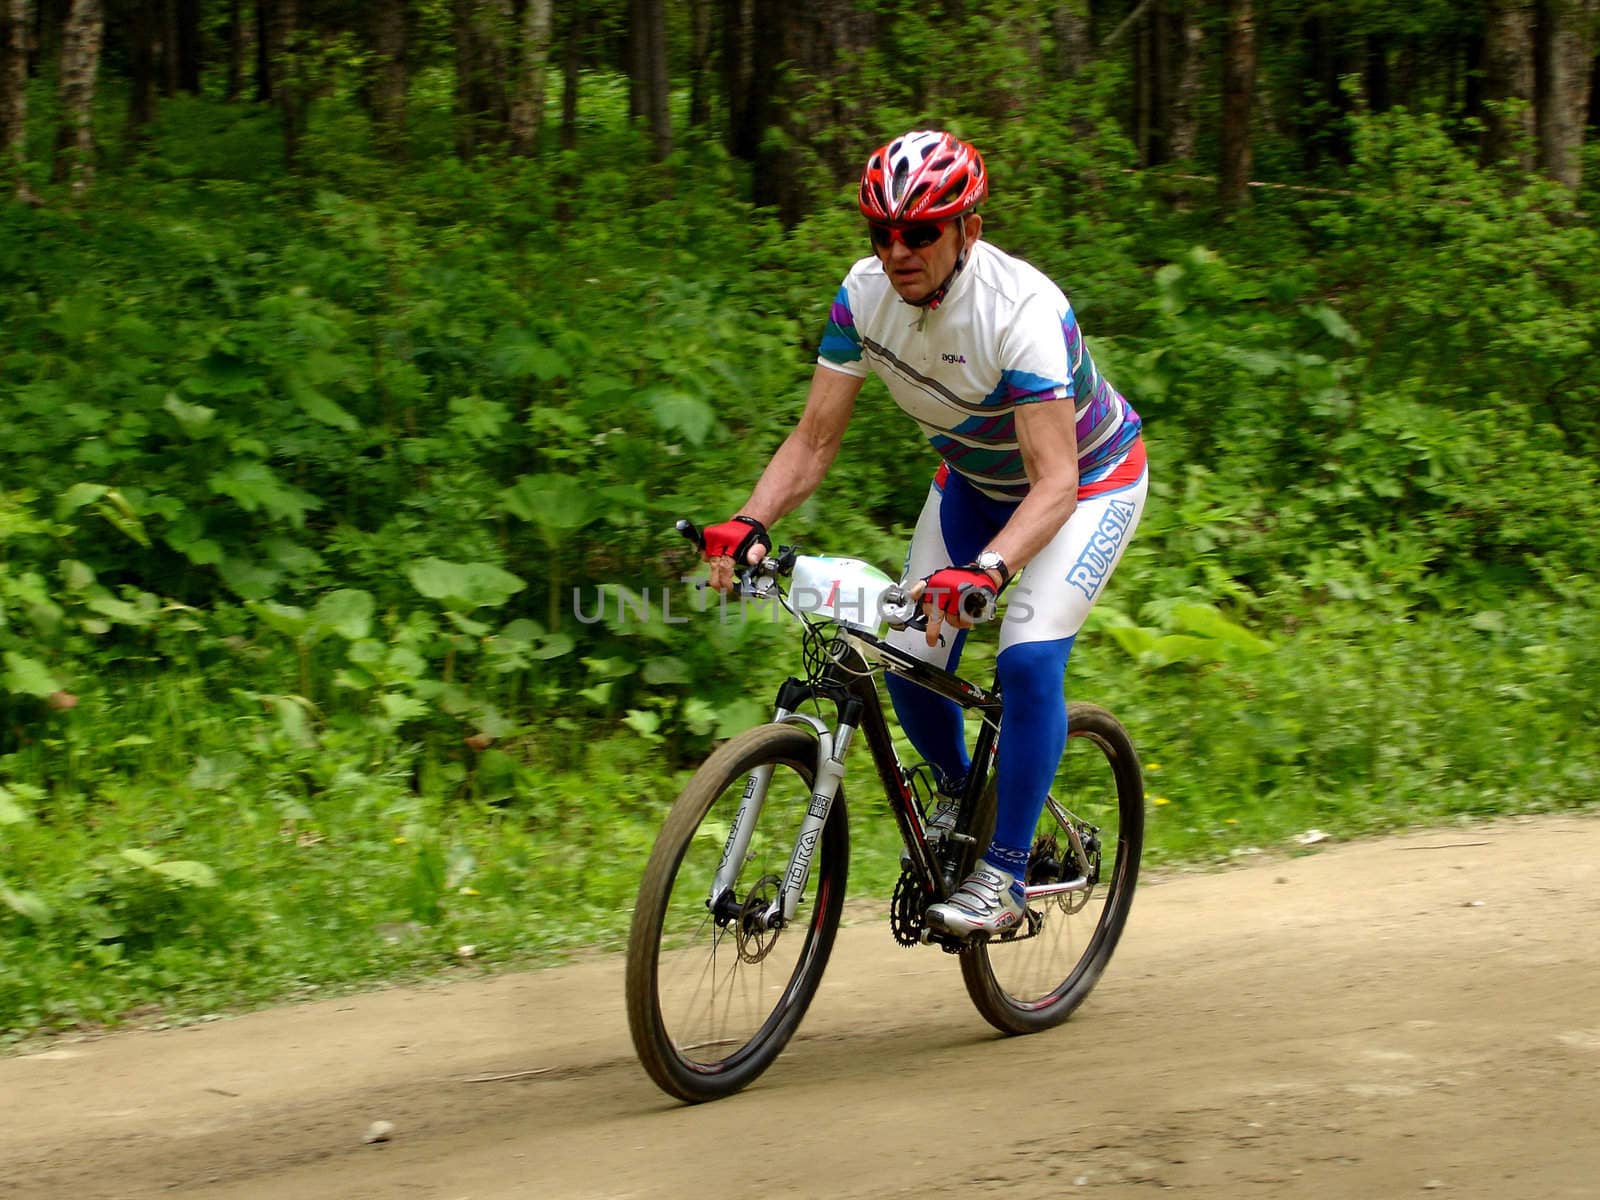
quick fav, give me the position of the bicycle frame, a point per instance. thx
(848, 682)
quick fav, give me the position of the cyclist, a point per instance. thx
(1043, 467)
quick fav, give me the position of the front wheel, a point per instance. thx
(714, 994)
(1092, 831)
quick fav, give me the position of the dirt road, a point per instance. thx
(1395, 1018)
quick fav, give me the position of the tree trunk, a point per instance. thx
(481, 29)
(14, 22)
(1508, 82)
(648, 85)
(167, 40)
(49, 24)
(236, 50)
(1594, 96)
(1069, 22)
(527, 100)
(1376, 74)
(1563, 58)
(389, 81)
(768, 51)
(188, 45)
(742, 91)
(700, 63)
(266, 21)
(577, 32)
(288, 86)
(1324, 127)
(1188, 37)
(638, 51)
(80, 67)
(571, 65)
(1238, 89)
(659, 87)
(142, 34)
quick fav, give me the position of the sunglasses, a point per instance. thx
(916, 237)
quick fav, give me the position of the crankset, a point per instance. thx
(905, 910)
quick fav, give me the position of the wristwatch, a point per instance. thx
(991, 561)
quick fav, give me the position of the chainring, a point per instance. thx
(905, 910)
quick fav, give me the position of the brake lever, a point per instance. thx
(900, 611)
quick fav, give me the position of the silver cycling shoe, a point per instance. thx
(986, 904)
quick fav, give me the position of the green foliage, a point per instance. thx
(342, 623)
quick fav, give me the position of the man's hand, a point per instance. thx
(743, 539)
(942, 595)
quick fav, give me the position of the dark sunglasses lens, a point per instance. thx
(919, 237)
(880, 235)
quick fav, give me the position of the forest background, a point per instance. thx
(356, 360)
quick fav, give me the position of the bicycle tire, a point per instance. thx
(1100, 781)
(679, 1045)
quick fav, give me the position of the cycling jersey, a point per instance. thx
(1004, 335)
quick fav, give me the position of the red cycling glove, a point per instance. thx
(734, 539)
(963, 594)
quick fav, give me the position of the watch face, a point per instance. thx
(990, 561)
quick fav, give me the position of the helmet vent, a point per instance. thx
(941, 163)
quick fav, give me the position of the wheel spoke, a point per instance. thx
(714, 997)
(1091, 828)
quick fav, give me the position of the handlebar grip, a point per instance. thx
(977, 603)
(688, 530)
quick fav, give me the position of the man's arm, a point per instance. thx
(1047, 433)
(798, 467)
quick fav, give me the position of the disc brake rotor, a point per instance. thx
(755, 939)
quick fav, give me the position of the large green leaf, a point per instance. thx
(347, 612)
(518, 354)
(186, 871)
(256, 488)
(28, 676)
(556, 504)
(463, 586)
(25, 904)
(1209, 621)
(678, 412)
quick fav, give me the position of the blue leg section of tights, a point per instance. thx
(1031, 677)
(934, 724)
(1033, 734)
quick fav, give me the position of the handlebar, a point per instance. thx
(976, 604)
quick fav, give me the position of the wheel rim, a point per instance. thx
(723, 988)
(1036, 969)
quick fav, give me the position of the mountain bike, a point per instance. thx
(742, 894)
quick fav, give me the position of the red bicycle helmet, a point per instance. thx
(925, 175)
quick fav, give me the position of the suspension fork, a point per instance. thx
(744, 822)
(832, 745)
(831, 750)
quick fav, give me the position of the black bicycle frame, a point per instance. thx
(849, 683)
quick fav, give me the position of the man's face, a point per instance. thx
(916, 271)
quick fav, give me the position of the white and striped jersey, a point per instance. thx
(1004, 335)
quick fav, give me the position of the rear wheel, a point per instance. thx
(713, 993)
(1092, 830)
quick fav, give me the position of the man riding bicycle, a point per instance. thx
(1044, 468)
